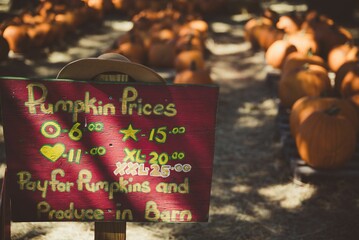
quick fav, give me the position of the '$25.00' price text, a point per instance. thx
(155, 170)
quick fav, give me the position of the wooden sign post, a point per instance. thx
(108, 152)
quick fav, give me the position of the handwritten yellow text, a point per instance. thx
(71, 213)
(152, 213)
(88, 105)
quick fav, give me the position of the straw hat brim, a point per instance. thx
(86, 69)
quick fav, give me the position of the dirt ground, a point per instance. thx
(253, 193)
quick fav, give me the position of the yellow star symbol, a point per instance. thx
(130, 132)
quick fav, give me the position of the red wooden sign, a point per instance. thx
(95, 151)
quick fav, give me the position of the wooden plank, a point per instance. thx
(5, 214)
(110, 230)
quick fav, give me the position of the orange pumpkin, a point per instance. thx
(277, 53)
(305, 106)
(184, 60)
(267, 36)
(307, 80)
(326, 139)
(304, 42)
(342, 53)
(298, 59)
(347, 79)
(253, 29)
(193, 76)
(327, 34)
(201, 26)
(288, 24)
(134, 51)
(17, 37)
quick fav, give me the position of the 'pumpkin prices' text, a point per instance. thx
(130, 104)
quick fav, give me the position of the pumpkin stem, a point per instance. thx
(310, 52)
(332, 110)
(306, 66)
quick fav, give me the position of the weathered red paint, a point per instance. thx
(80, 164)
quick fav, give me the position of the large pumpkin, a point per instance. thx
(307, 80)
(305, 106)
(326, 139)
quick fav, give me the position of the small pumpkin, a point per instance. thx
(253, 29)
(298, 59)
(303, 41)
(346, 81)
(193, 76)
(17, 37)
(267, 36)
(305, 106)
(184, 60)
(133, 49)
(277, 53)
(342, 53)
(201, 26)
(326, 139)
(327, 34)
(288, 24)
(307, 80)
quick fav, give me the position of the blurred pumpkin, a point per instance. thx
(306, 80)
(253, 29)
(17, 37)
(303, 42)
(288, 24)
(347, 79)
(341, 54)
(185, 59)
(297, 59)
(327, 33)
(133, 49)
(193, 76)
(277, 53)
